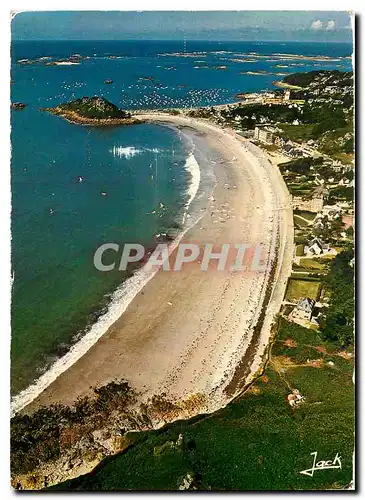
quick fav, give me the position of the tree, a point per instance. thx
(338, 324)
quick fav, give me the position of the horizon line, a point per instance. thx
(172, 40)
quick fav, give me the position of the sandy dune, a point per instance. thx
(201, 332)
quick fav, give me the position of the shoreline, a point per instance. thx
(191, 166)
(157, 378)
(121, 297)
(75, 118)
(281, 84)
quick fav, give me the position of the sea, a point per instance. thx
(75, 188)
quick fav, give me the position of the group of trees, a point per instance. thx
(323, 116)
(300, 166)
(40, 437)
(330, 118)
(338, 323)
(344, 193)
(257, 113)
(95, 107)
(330, 230)
(342, 78)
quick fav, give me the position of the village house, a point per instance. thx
(318, 222)
(292, 151)
(337, 166)
(316, 247)
(330, 89)
(331, 211)
(318, 180)
(346, 206)
(313, 204)
(264, 134)
(279, 141)
(272, 98)
(344, 182)
(303, 310)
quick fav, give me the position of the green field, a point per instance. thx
(347, 159)
(296, 132)
(310, 216)
(298, 288)
(300, 222)
(299, 250)
(312, 264)
(258, 442)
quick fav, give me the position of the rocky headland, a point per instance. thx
(95, 111)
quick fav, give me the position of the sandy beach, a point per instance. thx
(195, 332)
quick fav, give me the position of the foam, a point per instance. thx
(130, 151)
(120, 300)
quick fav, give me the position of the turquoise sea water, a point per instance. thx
(58, 222)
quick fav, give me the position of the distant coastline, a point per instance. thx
(283, 85)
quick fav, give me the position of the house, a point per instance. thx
(332, 211)
(318, 222)
(337, 166)
(344, 181)
(272, 100)
(303, 310)
(313, 204)
(330, 89)
(279, 141)
(316, 247)
(291, 151)
(264, 134)
(318, 180)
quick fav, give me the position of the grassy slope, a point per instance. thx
(298, 288)
(299, 133)
(257, 442)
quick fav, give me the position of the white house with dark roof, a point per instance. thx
(316, 247)
(303, 310)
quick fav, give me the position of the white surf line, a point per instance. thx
(192, 166)
(121, 299)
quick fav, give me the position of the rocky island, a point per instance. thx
(95, 111)
(18, 105)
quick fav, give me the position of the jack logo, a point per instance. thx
(322, 464)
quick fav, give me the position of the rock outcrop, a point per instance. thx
(93, 111)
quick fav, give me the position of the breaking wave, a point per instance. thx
(120, 299)
(130, 151)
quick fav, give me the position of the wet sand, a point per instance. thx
(188, 332)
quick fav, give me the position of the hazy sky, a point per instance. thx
(241, 25)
